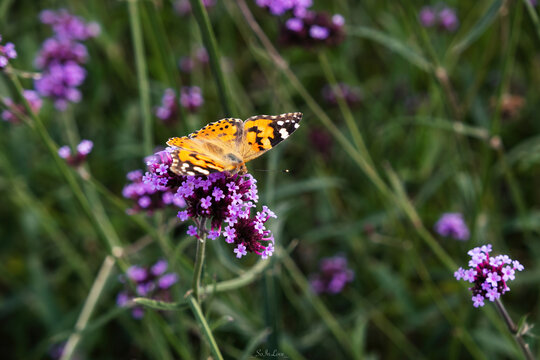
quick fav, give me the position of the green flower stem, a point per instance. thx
(142, 74)
(197, 312)
(110, 238)
(209, 41)
(199, 259)
(514, 330)
(335, 328)
(88, 307)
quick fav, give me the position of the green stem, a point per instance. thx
(199, 259)
(209, 41)
(197, 312)
(88, 308)
(514, 330)
(142, 74)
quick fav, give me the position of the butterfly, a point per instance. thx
(228, 144)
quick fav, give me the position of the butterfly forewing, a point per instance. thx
(263, 132)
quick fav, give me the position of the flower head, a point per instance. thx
(83, 149)
(350, 94)
(489, 275)
(168, 111)
(13, 111)
(442, 16)
(153, 190)
(62, 56)
(7, 52)
(312, 29)
(452, 225)
(151, 282)
(333, 276)
(191, 98)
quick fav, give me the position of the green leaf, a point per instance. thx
(479, 28)
(161, 305)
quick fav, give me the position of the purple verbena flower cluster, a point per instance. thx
(13, 111)
(351, 95)
(149, 193)
(168, 111)
(191, 98)
(304, 26)
(443, 17)
(62, 56)
(321, 141)
(220, 198)
(149, 282)
(188, 63)
(488, 274)
(333, 276)
(83, 149)
(452, 225)
(7, 52)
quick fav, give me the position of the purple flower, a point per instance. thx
(427, 16)
(333, 276)
(192, 230)
(294, 24)
(11, 114)
(61, 57)
(154, 185)
(168, 111)
(489, 276)
(280, 7)
(452, 225)
(83, 149)
(150, 282)
(445, 17)
(448, 19)
(351, 95)
(7, 52)
(312, 29)
(318, 32)
(240, 251)
(191, 98)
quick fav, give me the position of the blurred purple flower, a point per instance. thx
(61, 57)
(313, 29)
(333, 275)
(168, 111)
(150, 282)
(10, 114)
(489, 275)
(442, 16)
(321, 141)
(280, 7)
(452, 225)
(352, 95)
(7, 52)
(83, 149)
(191, 98)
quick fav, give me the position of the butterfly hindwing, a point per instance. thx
(263, 132)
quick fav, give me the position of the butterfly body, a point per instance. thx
(227, 144)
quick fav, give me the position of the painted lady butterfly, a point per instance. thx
(227, 144)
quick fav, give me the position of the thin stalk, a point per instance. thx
(514, 330)
(344, 107)
(142, 74)
(199, 259)
(209, 40)
(88, 307)
(197, 312)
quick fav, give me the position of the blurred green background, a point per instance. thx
(442, 121)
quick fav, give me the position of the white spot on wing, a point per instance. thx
(284, 133)
(280, 122)
(201, 170)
